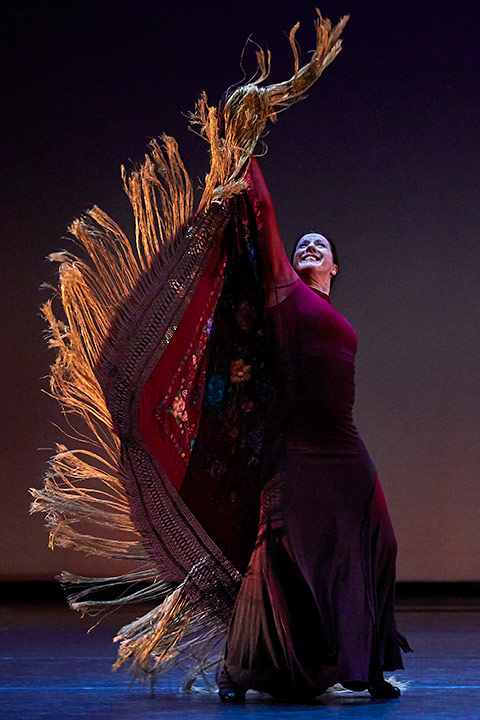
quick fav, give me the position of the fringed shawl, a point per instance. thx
(162, 356)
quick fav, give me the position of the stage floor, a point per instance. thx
(50, 668)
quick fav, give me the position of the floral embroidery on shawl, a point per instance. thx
(223, 481)
(177, 413)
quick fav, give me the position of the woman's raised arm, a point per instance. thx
(279, 276)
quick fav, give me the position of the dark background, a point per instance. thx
(383, 156)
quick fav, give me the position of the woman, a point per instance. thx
(316, 605)
(165, 355)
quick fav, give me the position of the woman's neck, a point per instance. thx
(324, 288)
(312, 279)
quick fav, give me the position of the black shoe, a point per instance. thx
(383, 689)
(229, 695)
(228, 690)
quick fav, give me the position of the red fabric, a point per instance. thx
(170, 442)
(222, 484)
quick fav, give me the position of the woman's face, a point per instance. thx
(314, 254)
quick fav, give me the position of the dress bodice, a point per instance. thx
(313, 348)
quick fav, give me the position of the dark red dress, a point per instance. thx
(316, 604)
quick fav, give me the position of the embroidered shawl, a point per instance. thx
(162, 373)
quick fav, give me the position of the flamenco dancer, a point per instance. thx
(217, 452)
(316, 605)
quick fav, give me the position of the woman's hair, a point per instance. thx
(333, 248)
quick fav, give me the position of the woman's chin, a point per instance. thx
(310, 269)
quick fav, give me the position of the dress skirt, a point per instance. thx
(316, 604)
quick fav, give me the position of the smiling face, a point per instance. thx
(313, 258)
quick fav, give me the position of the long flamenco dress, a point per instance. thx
(316, 605)
(166, 355)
